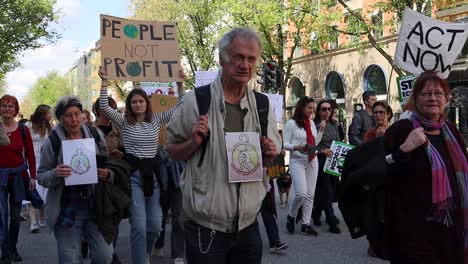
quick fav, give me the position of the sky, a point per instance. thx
(79, 27)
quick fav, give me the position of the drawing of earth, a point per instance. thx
(131, 31)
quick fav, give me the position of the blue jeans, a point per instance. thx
(11, 210)
(145, 219)
(69, 242)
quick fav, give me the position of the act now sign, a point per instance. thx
(134, 50)
(426, 44)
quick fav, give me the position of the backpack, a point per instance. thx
(203, 96)
(57, 143)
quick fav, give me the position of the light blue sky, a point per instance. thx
(79, 26)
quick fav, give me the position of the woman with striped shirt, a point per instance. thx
(140, 132)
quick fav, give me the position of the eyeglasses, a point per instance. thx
(379, 113)
(325, 109)
(437, 94)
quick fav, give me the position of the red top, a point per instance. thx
(12, 154)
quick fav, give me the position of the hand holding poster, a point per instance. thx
(334, 164)
(426, 44)
(135, 50)
(80, 155)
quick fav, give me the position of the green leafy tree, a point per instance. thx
(3, 87)
(24, 24)
(48, 89)
(199, 26)
(284, 27)
(26, 106)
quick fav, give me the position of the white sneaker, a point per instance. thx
(35, 228)
(179, 261)
(42, 224)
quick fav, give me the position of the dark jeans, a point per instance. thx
(271, 225)
(177, 230)
(324, 194)
(206, 246)
(11, 228)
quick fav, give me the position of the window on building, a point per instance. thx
(297, 90)
(377, 25)
(335, 89)
(375, 80)
(298, 52)
(333, 43)
(464, 51)
(334, 86)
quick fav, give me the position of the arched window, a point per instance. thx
(297, 90)
(375, 80)
(335, 89)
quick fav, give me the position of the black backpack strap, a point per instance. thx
(57, 143)
(203, 96)
(263, 108)
(23, 137)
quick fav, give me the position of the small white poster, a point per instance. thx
(205, 77)
(80, 155)
(276, 103)
(427, 44)
(334, 164)
(244, 156)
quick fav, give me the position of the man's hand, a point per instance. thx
(415, 139)
(268, 150)
(200, 129)
(63, 171)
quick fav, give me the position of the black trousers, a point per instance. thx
(325, 194)
(206, 246)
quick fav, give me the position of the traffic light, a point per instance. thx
(261, 73)
(269, 71)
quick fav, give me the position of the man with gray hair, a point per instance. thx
(221, 222)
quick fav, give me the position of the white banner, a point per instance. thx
(405, 87)
(80, 155)
(205, 77)
(276, 104)
(426, 44)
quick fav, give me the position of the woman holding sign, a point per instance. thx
(140, 132)
(427, 201)
(326, 183)
(300, 138)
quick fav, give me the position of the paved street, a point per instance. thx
(324, 249)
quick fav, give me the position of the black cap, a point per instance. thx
(66, 103)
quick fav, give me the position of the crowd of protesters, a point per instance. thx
(404, 185)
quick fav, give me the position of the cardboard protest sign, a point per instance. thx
(161, 103)
(276, 168)
(80, 155)
(244, 156)
(405, 87)
(205, 77)
(426, 44)
(334, 164)
(134, 50)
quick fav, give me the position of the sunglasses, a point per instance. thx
(325, 109)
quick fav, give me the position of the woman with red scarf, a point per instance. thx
(426, 217)
(300, 138)
(14, 179)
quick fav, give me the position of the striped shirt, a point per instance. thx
(141, 139)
